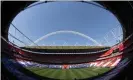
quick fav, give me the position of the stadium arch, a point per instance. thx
(66, 31)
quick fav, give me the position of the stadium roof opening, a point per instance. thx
(65, 23)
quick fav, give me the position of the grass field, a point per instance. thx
(68, 74)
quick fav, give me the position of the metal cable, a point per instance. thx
(23, 33)
(16, 38)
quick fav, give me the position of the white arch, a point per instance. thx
(66, 31)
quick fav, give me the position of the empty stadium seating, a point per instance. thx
(111, 62)
(67, 58)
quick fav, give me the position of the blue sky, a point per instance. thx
(87, 19)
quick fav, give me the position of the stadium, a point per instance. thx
(71, 62)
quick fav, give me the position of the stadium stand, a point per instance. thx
(106, 60)
(111, 62)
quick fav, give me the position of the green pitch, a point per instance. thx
(69, 74)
